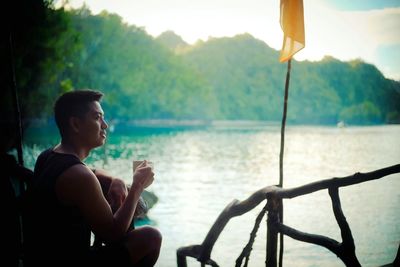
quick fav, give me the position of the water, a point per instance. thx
(198, 172)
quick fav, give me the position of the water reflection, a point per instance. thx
(199, 172)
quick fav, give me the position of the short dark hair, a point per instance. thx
(73, 104)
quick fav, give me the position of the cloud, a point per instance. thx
(343, 34)
(383, 26)
(348, 35)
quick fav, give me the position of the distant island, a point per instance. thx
(164, 78)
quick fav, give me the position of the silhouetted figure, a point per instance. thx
(67, 200)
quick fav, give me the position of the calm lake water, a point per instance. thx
(200, 171)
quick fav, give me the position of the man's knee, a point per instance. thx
(144, 244)
(150, 237)
(153, 236)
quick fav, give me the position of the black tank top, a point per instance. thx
(54, 232)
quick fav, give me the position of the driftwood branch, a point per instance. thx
(320, 240)
(194, 252)
(347, 250)
(334, 182)
(235, 208)
(247, 249)
(274, 195)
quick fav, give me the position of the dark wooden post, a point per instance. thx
(272, 233)
(181, 258)
(13, 86)
(282, 150)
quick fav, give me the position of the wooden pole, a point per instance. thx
(272, 233)
(272, 239)
(283, 125)
(16, 105)
(282, 148)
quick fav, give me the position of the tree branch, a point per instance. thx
(347, 249)
(235, 208)
(274, 194)
(345, 231)
(335, 182)
(320, 240)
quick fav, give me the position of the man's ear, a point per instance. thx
(74, 124)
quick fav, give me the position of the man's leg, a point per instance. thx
(144, 245)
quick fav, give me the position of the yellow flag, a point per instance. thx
(292, 23)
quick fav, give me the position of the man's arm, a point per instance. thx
(78, 186)
(114, 189)
(104, 178)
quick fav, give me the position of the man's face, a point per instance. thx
(93, 126)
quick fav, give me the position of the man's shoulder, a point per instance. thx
(78, 172)
(53, 164)
(77, 179)
(49, 156)
(74, 184)
(45, 153)
(42, 158)
(81, 169)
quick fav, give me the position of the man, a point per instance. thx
(67, 200)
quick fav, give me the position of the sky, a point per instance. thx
(355, 29)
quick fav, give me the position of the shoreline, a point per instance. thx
(196, 123)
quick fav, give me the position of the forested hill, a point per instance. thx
(165, 78)
(248, 81)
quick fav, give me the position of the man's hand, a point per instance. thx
(143, 176)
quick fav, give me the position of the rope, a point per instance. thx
(247, 249)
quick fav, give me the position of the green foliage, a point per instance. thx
(172, 41)
(141, 78)
(165, 78)
(242, 74)
(42, 40)
(249, 84)
(364, 113)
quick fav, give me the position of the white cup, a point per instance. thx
(136, 163)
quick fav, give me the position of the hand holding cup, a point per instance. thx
(143, 173)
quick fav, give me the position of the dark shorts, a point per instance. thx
(108, 256)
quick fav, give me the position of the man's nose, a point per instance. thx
(104, 124)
